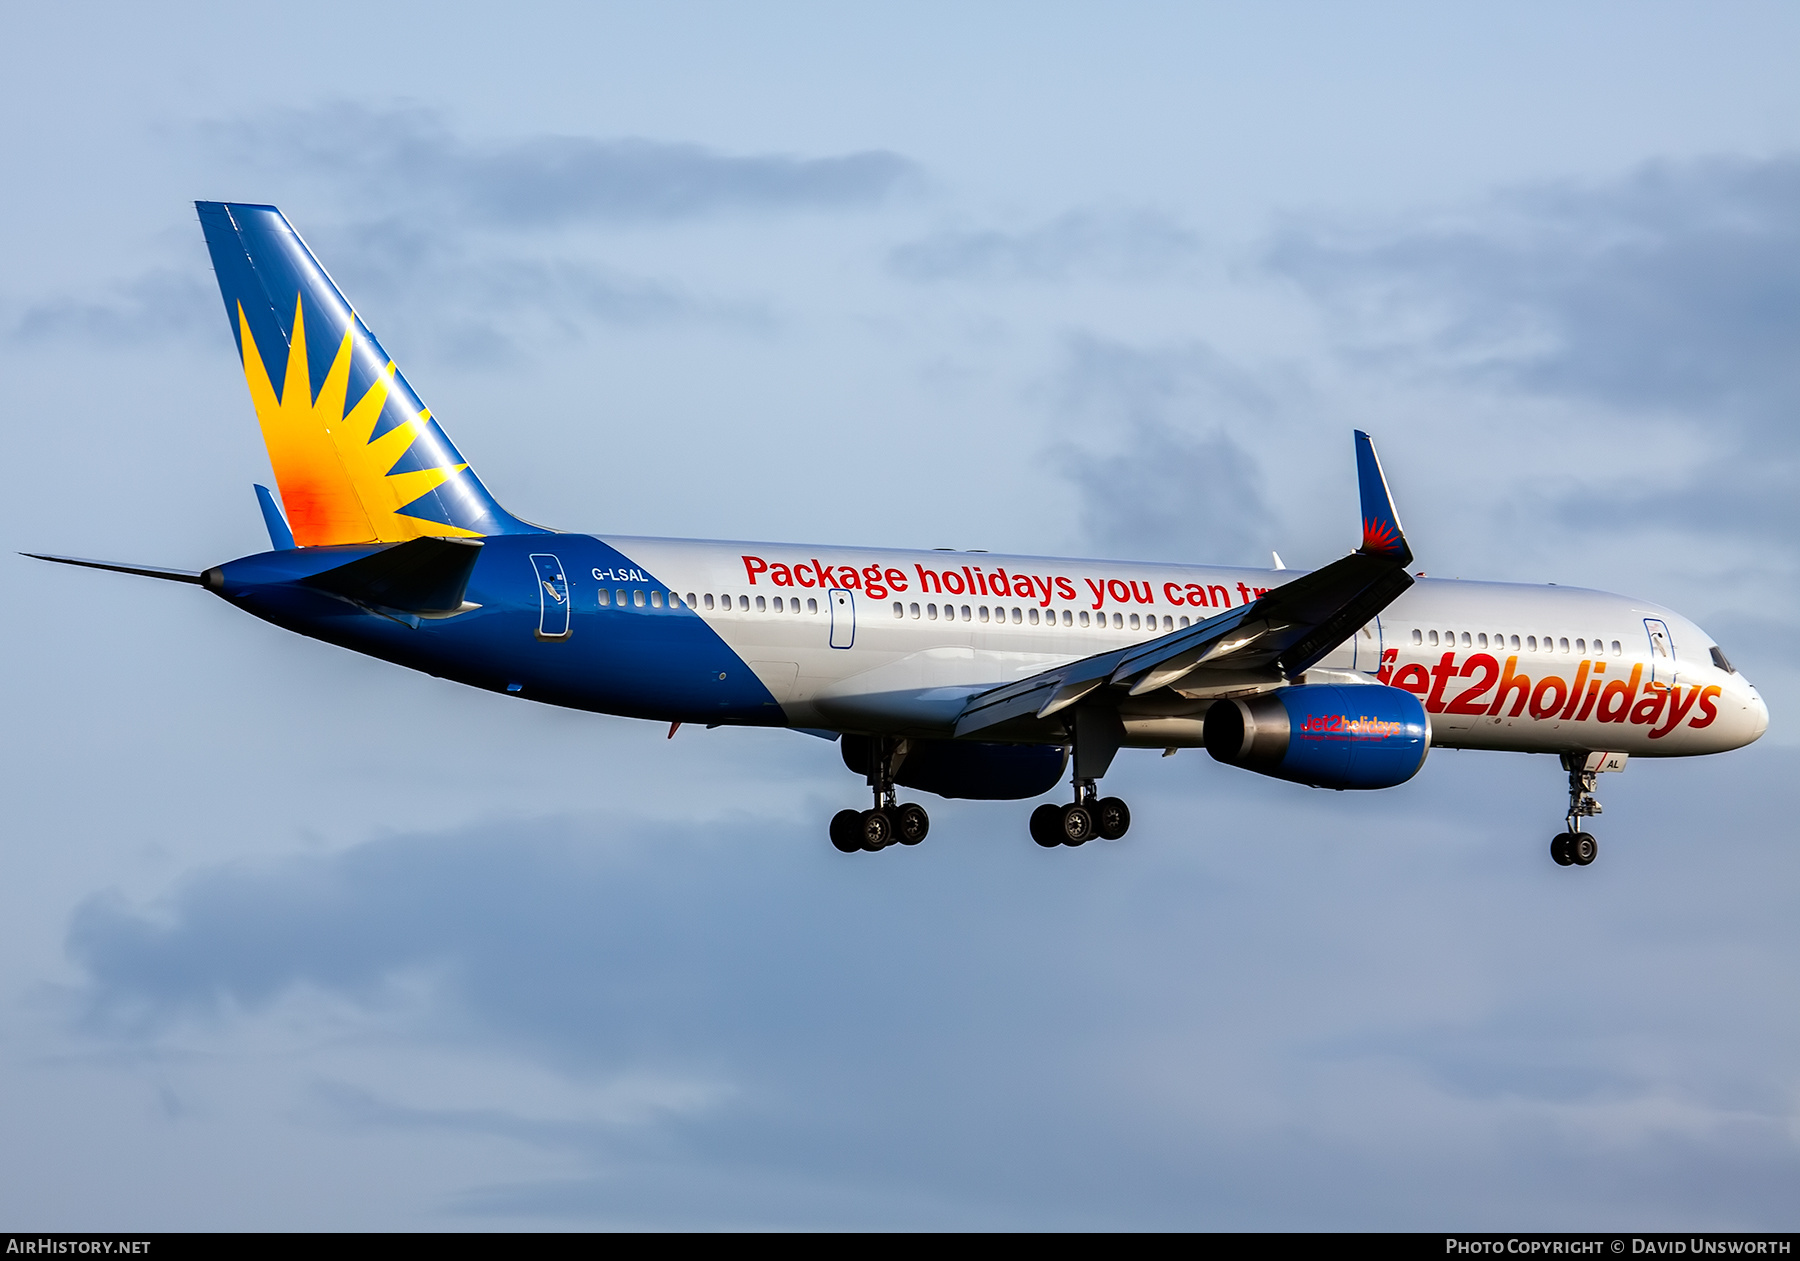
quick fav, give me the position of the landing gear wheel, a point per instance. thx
(1113, 818)
(1046, 826)
(1559, 849)
(875, 829)
(1078, 825)
(846, 831)
(1583, 849)
(911, 823)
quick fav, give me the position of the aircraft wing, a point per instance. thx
(1280, 634)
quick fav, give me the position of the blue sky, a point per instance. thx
(290, 938)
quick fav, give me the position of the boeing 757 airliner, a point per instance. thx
(958, 674)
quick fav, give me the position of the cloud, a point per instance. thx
(1268, 1006)
(1677, 286)
(1669, 296)
(1151, 456)
(157, 304)
(460, 229)
(412, 157)
(1140, 245)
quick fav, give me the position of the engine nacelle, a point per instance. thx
(1328, 736)
(968, 769)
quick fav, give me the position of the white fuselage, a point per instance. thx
(895, 641)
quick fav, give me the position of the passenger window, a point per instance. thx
(949, 612)
(931, 612)
(1084, 617)
(690, 600)
(1481, 641)
(1134, 621)
(983, 611)
(1617, 651)
(1581, 646)
(1531, 643)
(1168, 622)
(812, 606)
(899, 608)
(912, 608)
(761, 606)
(1433, 638)
(637, 598)
(709, 602)
(779, 607)
(605, 597)
(619, 598)
(1032, 617)
(1466, 642)
(1515, 643)
(966, 616)
(1018, 617)
(1118, 622)
(1563, 644)
(1184, 623)
(743, 604)
(1418, 637)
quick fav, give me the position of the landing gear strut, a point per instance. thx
(888, 821)
(1096, 735)
(1576, 848)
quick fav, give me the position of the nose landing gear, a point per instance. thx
(1576, 848)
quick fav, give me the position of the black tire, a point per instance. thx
(1583, 849)
(1112, 817)
(1077, 825)
(1559, 849)
(875, 830)
(846, 831)
(1046, 826)
(911, 823)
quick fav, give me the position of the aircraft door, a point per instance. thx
(553, 597)
(843, 618)
(1662, 651)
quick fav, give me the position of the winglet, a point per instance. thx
(1382, 535)
(280, 537)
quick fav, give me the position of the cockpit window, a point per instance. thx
(1719, 660)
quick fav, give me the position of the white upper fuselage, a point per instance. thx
(889, 640)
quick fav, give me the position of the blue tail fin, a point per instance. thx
(357, 456)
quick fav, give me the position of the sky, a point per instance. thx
(293, 939)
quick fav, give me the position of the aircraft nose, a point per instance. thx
(1759, 715)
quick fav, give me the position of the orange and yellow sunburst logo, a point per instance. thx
(334, 480)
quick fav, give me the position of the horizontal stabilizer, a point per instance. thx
(425, 577)
(280, 537)
(147, 571)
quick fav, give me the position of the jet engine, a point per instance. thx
(1324, 735)
(969, 769)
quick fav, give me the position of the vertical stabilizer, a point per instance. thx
(357, 456)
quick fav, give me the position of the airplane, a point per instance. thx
(958, 674)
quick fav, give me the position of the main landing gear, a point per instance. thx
(1576, 848)
(1096, 735)
(889, 821)
(1106, 817)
